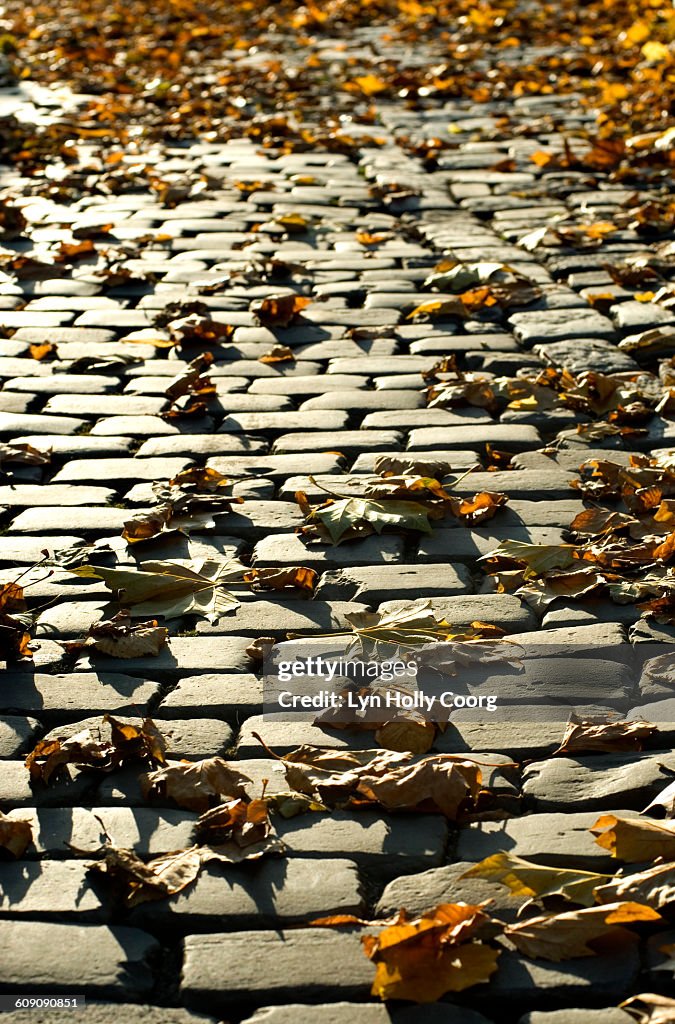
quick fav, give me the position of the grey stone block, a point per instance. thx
(116, 964)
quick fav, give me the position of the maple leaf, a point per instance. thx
(352, 518)
(538, 558)
(634, 840)
(195, 785)
(169, 590)
(422, 959)
(654, 887)
(578, 933)
(524, 878)
(132, 881)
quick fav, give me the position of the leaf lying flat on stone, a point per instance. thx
(118, 638)
(298, 577)
(634, 840)
(169, 590)
(579, 933)
(602, 734)
(195, 785)
(443, 783)
(525, 878)
(353, 518)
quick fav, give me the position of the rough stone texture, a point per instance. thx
(116, 963)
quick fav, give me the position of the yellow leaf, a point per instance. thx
(654, 51)
(371, 84)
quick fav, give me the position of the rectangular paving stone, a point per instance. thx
(13, 423)
(273, 967)
(273, 466)
(605, 781)
(266, 894)
(510, 438)
(288, 549)
(82, 445)
(460, 545)
(231, 697)
(190, 445)
(279, 422)
(106, 405)
(560, 839)
(346, 441)
(87, 520)
(374, 584)
(279, 615)
(188, 654)
(58, 890)
(117, 964)
(257, 519)
(60, 383)
(503, 610)
(117, 469)
(148, 831)
(59, 696)
(29, 495)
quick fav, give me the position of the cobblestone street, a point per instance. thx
(110, 296)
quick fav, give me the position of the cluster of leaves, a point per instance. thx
(394, 503)
(623, 551)
(187, 502)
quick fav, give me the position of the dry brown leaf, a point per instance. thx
(422, 959)
(299, 577)
(119, 638)
(603, 734)
(15, 836)
(133, 881)
(127, 743)
(650, 1008)
(578, 933)
(238, 830)
(195, 785)
(654, 887)
(278, 354)
(279, 310)
(635, 840)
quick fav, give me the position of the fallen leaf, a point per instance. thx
(298, 577)
(120, 639)
(422, 959)
(43, 350)
(352, 518)
(578, 933)
(602, 734)
(650, 1008)
(634, 840)
(654, 887)
(524, 878)
(15, 836)
(133, 881)
(278, 354)
(279, 310)
(239, 830)
(170, 590)
(195, 785)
